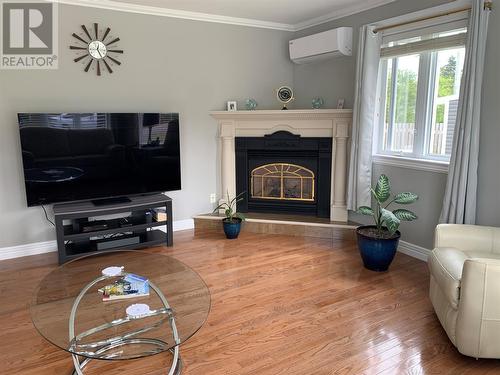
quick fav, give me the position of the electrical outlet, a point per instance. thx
(213, 198)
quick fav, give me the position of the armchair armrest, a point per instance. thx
(478, 322)
(467, 237)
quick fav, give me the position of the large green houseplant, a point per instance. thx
(232, 220)
(378, 243)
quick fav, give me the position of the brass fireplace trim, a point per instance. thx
(283, 171)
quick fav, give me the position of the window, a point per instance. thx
(419, 95)
(400, 103)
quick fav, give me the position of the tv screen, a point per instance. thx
(80, 156)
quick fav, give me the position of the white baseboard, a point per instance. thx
(51, 246)
(27, 249)
(183, 224)
(413, 250)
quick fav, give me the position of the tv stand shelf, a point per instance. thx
(134, 228)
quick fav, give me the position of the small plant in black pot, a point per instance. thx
(233, 219)
(378, 243)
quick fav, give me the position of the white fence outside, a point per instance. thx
(440, 137)
(403, 135)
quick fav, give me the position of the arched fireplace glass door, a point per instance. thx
(282, 181)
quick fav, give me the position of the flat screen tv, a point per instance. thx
(91, 156)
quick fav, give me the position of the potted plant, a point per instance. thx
(233, 219)
(378, 243)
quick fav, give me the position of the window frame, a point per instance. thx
(409, 29)
(426, 90)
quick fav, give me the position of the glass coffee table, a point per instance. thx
(68, 310)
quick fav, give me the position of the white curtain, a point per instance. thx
(459, 205)
(360, 166)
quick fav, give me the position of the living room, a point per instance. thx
(284, 117)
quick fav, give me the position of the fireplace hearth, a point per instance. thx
(284, 173)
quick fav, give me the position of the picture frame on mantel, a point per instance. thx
(232, 106)
(340, 103)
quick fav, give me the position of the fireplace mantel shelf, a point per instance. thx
(282, 114)
(331, 123)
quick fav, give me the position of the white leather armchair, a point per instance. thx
(465, 287)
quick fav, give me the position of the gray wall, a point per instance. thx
(489, 156)
(334, 79)
(169, 64)
(194, 67)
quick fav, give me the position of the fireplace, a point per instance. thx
(310, 143)
(284, 173)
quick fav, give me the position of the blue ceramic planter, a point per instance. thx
(377, 254)
(232, 228)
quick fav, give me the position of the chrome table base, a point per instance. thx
(97, 350)
(175, 369)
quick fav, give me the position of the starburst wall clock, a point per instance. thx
(98, 50)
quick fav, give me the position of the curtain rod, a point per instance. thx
(487, 5)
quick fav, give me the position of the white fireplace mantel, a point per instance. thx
(334, 123)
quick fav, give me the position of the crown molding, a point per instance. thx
(174, 13)
(207, 17)
(356, 7)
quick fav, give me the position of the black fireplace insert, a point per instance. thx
(284, 173)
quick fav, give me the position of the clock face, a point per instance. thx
(97, 49)
(285, 94)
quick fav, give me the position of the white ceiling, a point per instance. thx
(279, 14)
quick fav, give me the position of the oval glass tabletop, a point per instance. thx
(104, 330)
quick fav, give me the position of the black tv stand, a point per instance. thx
(83, 228)
(108, 201)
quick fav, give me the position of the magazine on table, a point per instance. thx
(129, 286)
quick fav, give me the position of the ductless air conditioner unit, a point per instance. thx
(322, 46)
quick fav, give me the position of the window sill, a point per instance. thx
(411, 163)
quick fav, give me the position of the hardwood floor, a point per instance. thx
(280, 305)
